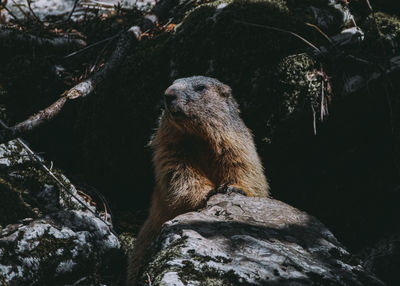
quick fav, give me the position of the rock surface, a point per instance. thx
(345, 175)
(239, 240)
(46, 236)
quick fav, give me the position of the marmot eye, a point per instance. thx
(199, 87)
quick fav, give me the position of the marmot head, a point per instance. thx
(199, 100)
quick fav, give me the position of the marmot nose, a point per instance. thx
(175, 91)
(170, 98)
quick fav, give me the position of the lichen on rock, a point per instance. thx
(238, 240)
(383, 32)
(47, 237)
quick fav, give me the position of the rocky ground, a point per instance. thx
(323, 107)
(49, 235)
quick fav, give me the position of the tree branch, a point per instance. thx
(83, 89)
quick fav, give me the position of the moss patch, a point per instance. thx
(383, 34)
(13, 208)
(127, 242)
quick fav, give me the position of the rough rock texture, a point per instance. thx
(383, 259)
(46, 236)
(238, 240)
(346, 175)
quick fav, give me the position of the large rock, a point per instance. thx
(47, 237)
(239, 240)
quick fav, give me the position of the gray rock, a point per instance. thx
(47, 237)
(239, 240)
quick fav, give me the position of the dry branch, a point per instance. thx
(33, 122)
(29, 2)
(84, 88)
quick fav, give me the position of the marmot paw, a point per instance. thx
(225, 189)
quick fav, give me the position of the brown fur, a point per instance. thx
(201, 143)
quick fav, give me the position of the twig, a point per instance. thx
(94, 192)
(9, 12)
(91, 46)
(280, 30)
(32, 12)
(32, 122)
(20, 9)
(19, 155)
(105, 212)
(72, 11)
(82, 89)
(326, 93)
(369, 6)
(148, 278)
(314, 119)
(320, 31)
(99, 55)
(322, 100)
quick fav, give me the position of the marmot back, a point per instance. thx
(201, 144)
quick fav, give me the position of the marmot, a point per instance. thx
(201, 144)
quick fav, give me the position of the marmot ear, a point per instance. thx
(224, 90)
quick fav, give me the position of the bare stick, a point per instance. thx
(100, 54)
(314, 119)
(20, 9)
(91, 46)
(84, 88)
(369, 5)
(320, 31)
(72, 11)
(32, 12)
(322, 112)
(9, 12)
(148, 278)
